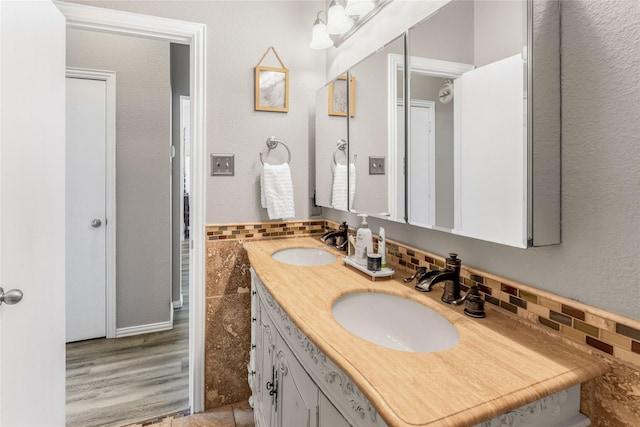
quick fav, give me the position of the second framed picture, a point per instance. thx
(338, 96)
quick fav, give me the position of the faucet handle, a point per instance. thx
(474, 306)
(419, 271)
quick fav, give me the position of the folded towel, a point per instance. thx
(276, 193)
(339, 189)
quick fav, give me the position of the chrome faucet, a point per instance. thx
(337, 238)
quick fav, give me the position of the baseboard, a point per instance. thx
(144, 329)
(178, 303)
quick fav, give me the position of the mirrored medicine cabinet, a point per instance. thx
(454, 125)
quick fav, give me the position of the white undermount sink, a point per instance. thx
(304, 256)
(394, 322)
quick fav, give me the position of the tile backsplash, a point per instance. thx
(609, 400)
(267, 230)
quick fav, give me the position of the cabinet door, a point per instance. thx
(255, 314)
(264, 402)
(328, 415)
(297, 393)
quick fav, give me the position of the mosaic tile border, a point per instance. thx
(265, 230)
(612, 334)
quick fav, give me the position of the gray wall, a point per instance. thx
(142, 179)
(491, 43)
(599, 259)
(179, 60)
(239, 33)
(368, 129)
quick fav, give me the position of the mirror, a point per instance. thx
(379, 190)
(473, 165)
(331, 146)
(467, 143)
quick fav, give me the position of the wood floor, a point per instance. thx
(121, 381)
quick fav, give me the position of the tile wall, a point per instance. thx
(228, 304)
(611, 400)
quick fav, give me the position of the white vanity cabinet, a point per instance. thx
(285, 391)
(293, 383)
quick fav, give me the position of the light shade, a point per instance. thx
(358, 7)
(319, 37)
(337, 21)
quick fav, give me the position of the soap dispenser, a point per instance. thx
(364, 241)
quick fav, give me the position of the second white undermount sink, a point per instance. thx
(304, 256)
(394, 322)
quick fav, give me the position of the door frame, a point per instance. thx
(109, 77)
(173, 31)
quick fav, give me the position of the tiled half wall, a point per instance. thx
(611, 400)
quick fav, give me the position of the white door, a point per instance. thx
(32, 213)
(86, 207)
(420, 163)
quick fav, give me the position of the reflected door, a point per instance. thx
(421, 164)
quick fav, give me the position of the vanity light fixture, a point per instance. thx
(337, 20)
(358, 7)
(343, 22)
(320, 37)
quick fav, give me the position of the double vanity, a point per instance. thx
(332, 348)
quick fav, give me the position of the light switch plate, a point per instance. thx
(376, 165)
(222, 164)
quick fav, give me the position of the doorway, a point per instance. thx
(144, 237)
(192, 34)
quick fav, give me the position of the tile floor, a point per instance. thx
(235, 415)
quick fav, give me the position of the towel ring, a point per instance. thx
(272, 142)
(342, 146)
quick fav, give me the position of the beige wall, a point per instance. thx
(143, 274)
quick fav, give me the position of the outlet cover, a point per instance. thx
(376, 165)
(222, 164)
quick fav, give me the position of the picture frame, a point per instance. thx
(271, 89)
(338, 96)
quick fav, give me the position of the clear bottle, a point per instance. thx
(382, 247)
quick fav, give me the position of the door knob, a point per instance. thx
(10, 297)
(96, 223)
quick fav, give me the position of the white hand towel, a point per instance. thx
(339, 189)
(277, 191)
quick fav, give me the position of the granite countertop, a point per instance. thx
(498, 365)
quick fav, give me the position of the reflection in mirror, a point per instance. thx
(372, 131)
(430, 142)
(474, 166)
(467, 146)
(331, 148)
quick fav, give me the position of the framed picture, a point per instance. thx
(272, 89)
(338, 96)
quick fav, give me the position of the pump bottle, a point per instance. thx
(364, 241)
